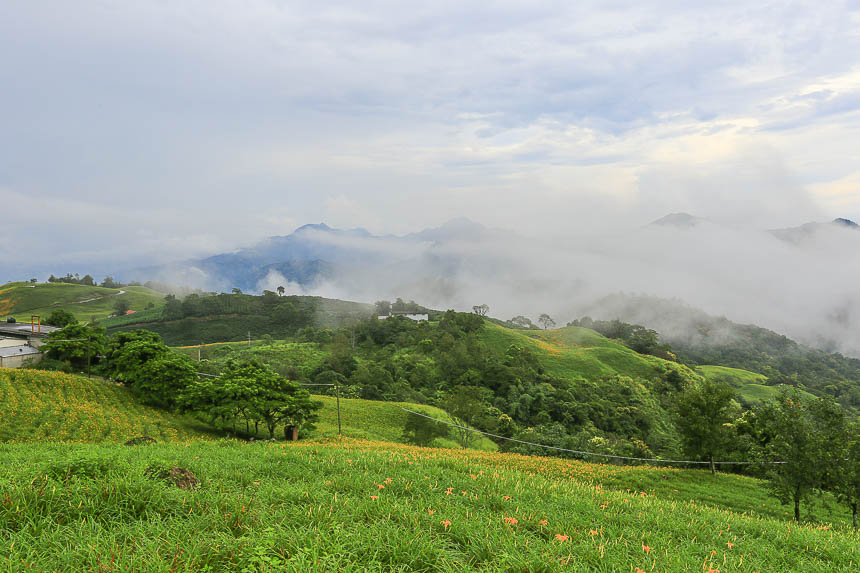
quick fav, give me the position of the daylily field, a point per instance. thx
(347, 505)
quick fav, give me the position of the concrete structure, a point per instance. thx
(24, 331)
(416, 316)
(15, 356)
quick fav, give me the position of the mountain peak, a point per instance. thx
(678, 220)
(313, 227)
(845, 222)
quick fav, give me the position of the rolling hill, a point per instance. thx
(36, 405)
(20, 300)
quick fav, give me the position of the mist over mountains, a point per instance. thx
(800, 281)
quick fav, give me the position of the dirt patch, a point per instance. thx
(180, 477)
(140, 441)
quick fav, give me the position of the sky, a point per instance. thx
(155, 131)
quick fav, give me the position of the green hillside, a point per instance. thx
(750, 386)
(346, 505)
(575, 352)
(53, 406)
(20, 300)
(231, 317)
(380, 421)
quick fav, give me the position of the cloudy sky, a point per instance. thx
(161, 130)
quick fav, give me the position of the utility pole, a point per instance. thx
(88, 356)
(198, 350)
(337, 393)
(249, 339)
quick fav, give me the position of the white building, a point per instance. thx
(416, 316)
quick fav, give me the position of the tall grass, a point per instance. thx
(361, 506)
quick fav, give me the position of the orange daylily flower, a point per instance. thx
(511, 520)
(446, 523)
(561, 537)
(646, 548)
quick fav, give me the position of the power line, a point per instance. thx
(579, 452)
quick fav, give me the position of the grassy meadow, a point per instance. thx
(20, 300)
(750, 386)
(350, 505)
(53, 406)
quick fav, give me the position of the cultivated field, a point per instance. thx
(351, 505)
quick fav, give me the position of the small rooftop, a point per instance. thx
(20, 350)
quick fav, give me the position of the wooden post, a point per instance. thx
(337, 393)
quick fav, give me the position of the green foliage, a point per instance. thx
(77, 344)
(160, 381)
(797, 441)
(84, 467)
(705, 412)
(423, 431)
(271, 507)
(60, 318)
(41, 406)
(121, 306)
(84, 302)
(251, 391)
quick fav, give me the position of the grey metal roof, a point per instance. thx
(21, 350)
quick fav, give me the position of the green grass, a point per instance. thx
(574, 352)
(36, 405)
(749, 385)
(141, 316)
(285, 357)
(381, 421)
(365, 506)
(21, 300)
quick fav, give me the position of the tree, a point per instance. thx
(250, 389)
(128, 352)
(704, 414)
(422, 431)
(481, 309)
(546, 321)
(34, 281)
(281, 291)
(88, 280)
(521, 320)
(235, 290)
(383, 307)
(172, 308)
(109, 283)
(160, 381)
(846, 483)
(121, 306)
(77, 344)
(60, 318)
(796, 447)
(465, 405)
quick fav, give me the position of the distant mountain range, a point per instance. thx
(314, 254)
(800, 280)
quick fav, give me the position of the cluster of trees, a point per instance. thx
(246, 391)
(634, 336)
(507, 390)
(290, 309)
(545, 320)
(86, 280)
(799, 446)
(385, 307)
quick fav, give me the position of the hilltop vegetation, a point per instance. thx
(231, 317)
(20, 300)
(700, 339)
(365, 506)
